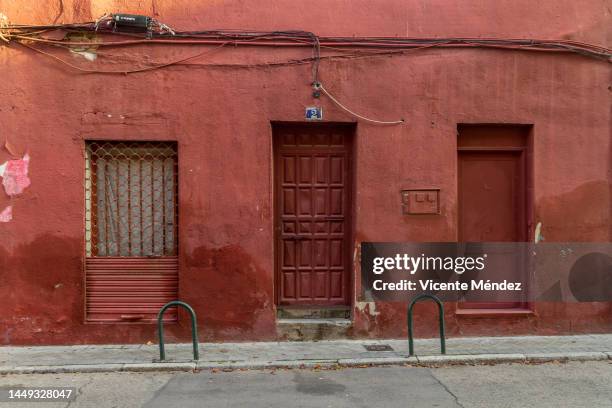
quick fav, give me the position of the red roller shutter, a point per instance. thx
(130, 289)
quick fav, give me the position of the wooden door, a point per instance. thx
(492, 198)
(313, 206)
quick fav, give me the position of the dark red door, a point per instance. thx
(492, 197)
(312, 177)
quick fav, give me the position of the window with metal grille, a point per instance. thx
(131, 229)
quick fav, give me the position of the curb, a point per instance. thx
(148, 367)
(423, 361)
(577, 356)
(471, 359)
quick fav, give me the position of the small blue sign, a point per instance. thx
(314, 113)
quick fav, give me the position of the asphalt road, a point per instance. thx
(576, 384)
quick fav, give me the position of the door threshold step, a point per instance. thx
(334, 321)
(332, 312)
(313, 329)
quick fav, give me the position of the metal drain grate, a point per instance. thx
(378, 347)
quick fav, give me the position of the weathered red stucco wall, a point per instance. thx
(221, 120)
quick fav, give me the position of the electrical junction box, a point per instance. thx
(422, 201)
(314, 113)
(131, 22)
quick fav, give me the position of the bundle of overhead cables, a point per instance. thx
(122, 30)
(159, 33)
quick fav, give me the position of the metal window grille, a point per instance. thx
(131, 199)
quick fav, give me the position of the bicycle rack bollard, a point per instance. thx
(440, 317)
(194, 328)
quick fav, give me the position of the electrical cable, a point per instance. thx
(242, 33)
(333, 99)
(589, 51)
(352, 47)
(316, 49)
(123, 72)
(162, 34)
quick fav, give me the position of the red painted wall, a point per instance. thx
(221, 120)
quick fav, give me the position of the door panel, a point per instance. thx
(492, 199)
(312, 190)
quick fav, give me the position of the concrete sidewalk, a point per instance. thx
(466, 350)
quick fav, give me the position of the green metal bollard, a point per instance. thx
(440, 317)
(194, 328)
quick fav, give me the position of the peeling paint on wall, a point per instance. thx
(7, 214)
(88, 55)
(538, 233)
(87, 52)
(367, 308)
(15, 175)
